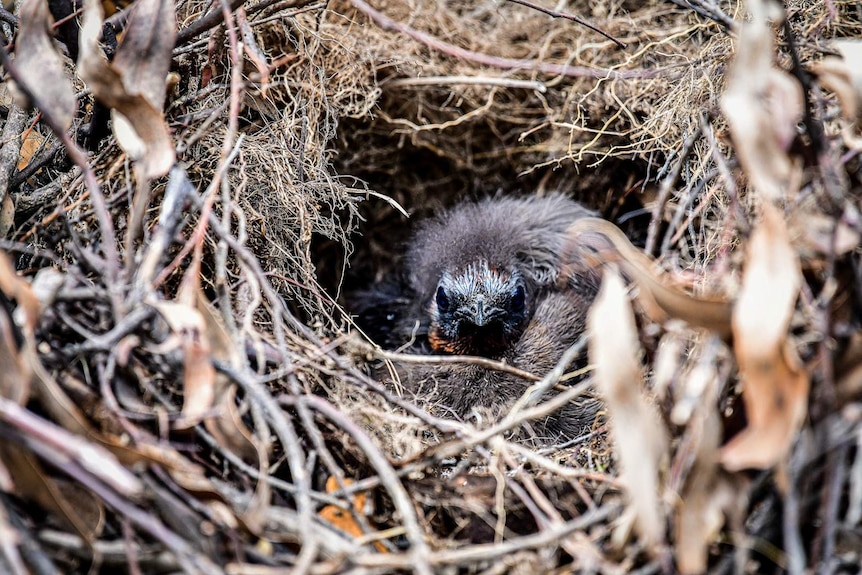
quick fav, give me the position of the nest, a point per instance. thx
(184, 390)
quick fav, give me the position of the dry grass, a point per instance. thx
(355, 121)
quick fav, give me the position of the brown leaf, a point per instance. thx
(145, 450)
(138, 124)
(844, 77)
(94, 459)
(17, 348)
(33, 483)
(232, 434)
(343, 519)
(14, 367)
(229, 430)
(708, 497)
(603, 242)
(227, 425)
(708, 492)
(40, 65)
(18, 289)
(812, 234)
(762, 105)
(666, 367)
(190, 328)
(32, 141)
(56, 402)
(848, 370)
(693, 391)
(775, 387)
(65, 451)
(198, 372)
(144, 57)
(637, 431)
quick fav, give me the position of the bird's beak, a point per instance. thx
(480, 313)
(478, 310)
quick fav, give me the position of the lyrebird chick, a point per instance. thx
(484, 279)
(478, 310)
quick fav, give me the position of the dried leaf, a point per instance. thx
(602, 242)
(32, 482)
(343, 519)
(762, 105)
(30, 144)
(848, 370)
(693, 392)
(198, 372)
(62, 448)
(144, 57)
(61, 408)
(812, 234)
(637, 431)
(18, 289)
(91, 457)
(667, 364)
(55, 401)
(227, 425)
(17, 348)
(708, 492)
(844, 77)
(229, 430)
(700, 518)
(138, 124)
(191, 329)
(40, 65)
(253, 51)
(87, 506)
(14, 368)
(775, 387)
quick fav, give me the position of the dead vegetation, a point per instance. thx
(182, 392)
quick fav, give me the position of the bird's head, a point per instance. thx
(478, 310)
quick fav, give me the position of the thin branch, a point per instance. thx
(469, 81)
(665, 189)
(490, 551)
(204, 23)
(708, 9)
(215, 17)
(387, 23)
(572, 17)
(447, 360)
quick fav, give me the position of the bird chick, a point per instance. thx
(484, 279)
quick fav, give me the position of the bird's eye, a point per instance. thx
(519, 299)
(442, 300)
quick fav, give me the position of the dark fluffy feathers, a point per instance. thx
(505, 236)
